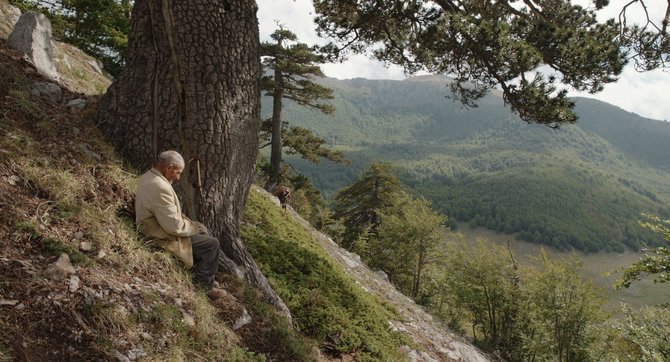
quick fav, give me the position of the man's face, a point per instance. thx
(173, 172)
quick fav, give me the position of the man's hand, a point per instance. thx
(202, 229)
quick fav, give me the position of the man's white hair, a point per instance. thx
(170, 157)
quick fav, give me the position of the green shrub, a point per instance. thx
(326, 304)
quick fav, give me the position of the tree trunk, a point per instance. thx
(417, 275)
(275, 153)
(192, 83)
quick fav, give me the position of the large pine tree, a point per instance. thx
(192, 84)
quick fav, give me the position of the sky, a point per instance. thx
(646, 94)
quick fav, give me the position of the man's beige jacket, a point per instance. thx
(159, 217)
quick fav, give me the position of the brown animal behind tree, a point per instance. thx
(283, 193)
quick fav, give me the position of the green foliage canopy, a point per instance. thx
(406, 239)
(545, 312)
(484, 45)
(642, 335)
(582, 186)
(656, 262)
(358, 205)
(648, 42)
(298, 64)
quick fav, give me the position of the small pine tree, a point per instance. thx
(358, 205)
(295, 66)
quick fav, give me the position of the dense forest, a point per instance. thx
(581, 186)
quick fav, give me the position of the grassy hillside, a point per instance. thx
(326, 303)
(63, 191)
(582, 186)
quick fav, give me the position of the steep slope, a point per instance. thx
(62, 192)
(643, 138)
(582, 186)
(77, 283)
(334, 295)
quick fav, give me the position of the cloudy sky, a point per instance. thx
(643, 93)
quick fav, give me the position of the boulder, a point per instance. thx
(47, 90)
(32, 36)
(242, 320)
(61, 268)
(187, 319)
(75, 104)
(9, 15)
(382, 275)
(74, 283)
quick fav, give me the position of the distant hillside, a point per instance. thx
(582, 186)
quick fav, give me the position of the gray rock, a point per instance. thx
(120, 357)
(86, 150)
(85, 246)
(32, 36)
(78, 235)
(10, 303)
(420, 356)
(188, 319)
(61, 268)
(78, 103)
(10, 16)
(136, 353)
(13, 180)
(383, 275)
(96, 65)
(242, 320)
(74, 283)
(47, 90)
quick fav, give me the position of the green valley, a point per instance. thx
(582, 186)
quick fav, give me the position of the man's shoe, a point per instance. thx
(216, 293)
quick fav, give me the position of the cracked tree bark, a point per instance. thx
(191, 83)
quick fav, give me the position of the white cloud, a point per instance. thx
(360, 66)
(296, 15)
(642, 93)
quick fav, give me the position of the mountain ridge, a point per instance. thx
(443, 150)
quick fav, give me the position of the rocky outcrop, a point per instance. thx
(10, 16)
(32, 36)
(77, 71)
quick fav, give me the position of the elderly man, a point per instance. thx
(160, 220)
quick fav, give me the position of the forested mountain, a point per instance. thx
(581, 186)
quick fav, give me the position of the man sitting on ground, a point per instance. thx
(160, 220)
